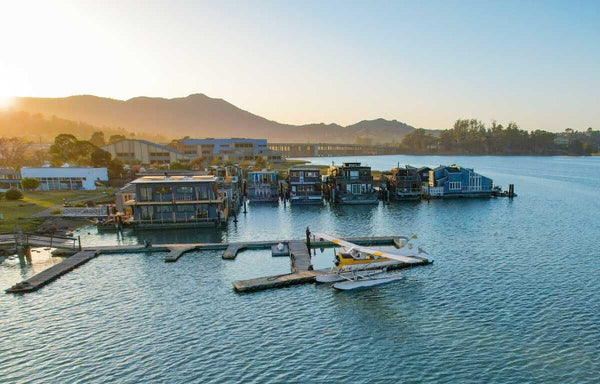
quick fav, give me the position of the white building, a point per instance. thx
(76, 178)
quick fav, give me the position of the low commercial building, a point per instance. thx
(144, 152)
(73, 178)
(234, 149)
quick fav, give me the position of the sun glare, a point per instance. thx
(6, 101)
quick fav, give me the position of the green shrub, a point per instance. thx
(14, 194)
(79, 204)
(56, 212)
(30, 183)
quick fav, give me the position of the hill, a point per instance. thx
(198, 115)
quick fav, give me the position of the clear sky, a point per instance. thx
(426, 63)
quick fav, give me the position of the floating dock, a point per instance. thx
(300, 260)
(38, 281)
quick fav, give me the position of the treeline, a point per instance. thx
(36, 127)
(472, 137)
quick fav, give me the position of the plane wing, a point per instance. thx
(407, 256)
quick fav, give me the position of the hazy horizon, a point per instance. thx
(425, 64)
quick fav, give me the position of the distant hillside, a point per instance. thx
(201, 116)
(36, 127)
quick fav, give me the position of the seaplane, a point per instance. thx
(356, 266)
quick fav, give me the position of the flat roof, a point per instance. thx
(174, 179)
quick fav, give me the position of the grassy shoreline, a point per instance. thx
(20, 212)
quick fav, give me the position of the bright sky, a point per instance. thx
(422, 62)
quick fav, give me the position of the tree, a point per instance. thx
(63, 148)
(116, 138)
(196, 163)
(67, 149)
(260, 162)
(115, 169)
(178, 165)
(12, 152)
(30, 183)
(98, 139)
(13, 194)
(100, 158)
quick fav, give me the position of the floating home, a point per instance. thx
(229, 184)
(352, 183)
(406, 183)
(177, 201)
(263, 186)
(457, 181)
(305, 186)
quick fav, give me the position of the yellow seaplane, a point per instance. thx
(356, 266)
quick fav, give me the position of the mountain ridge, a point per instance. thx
(198, 115)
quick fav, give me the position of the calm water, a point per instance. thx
(513, 296)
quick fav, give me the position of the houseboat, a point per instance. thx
(229, 184)
(352, 183)
(263, 186)
(305, 186)
(404, 183)
(456, 181)
(177, 201)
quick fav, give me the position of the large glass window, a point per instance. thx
(146, 194)
(185, 189)
(164, 209)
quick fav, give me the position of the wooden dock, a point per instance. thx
(36, 282)
(299, 256)
(301, 265)
(300, 277)
(176, 252)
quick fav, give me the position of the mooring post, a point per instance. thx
(79, 240)
(245, 205)
(308, 239)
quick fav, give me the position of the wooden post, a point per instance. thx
(308, 239)
(79, 240)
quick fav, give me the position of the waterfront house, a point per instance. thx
(352, 183)
(263, 186)
(229, 183)
(404, 183)
(305, 186)
(457, 181)
(179, 201)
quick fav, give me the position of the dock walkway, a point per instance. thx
(176, 252)
(36, 282)
(299, 256)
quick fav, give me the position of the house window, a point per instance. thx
(355, 189)
(185, 189)
(146, 194)
(454, 185)
(147, 212)
(164, 209)
(164, 190)
(186, 208)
